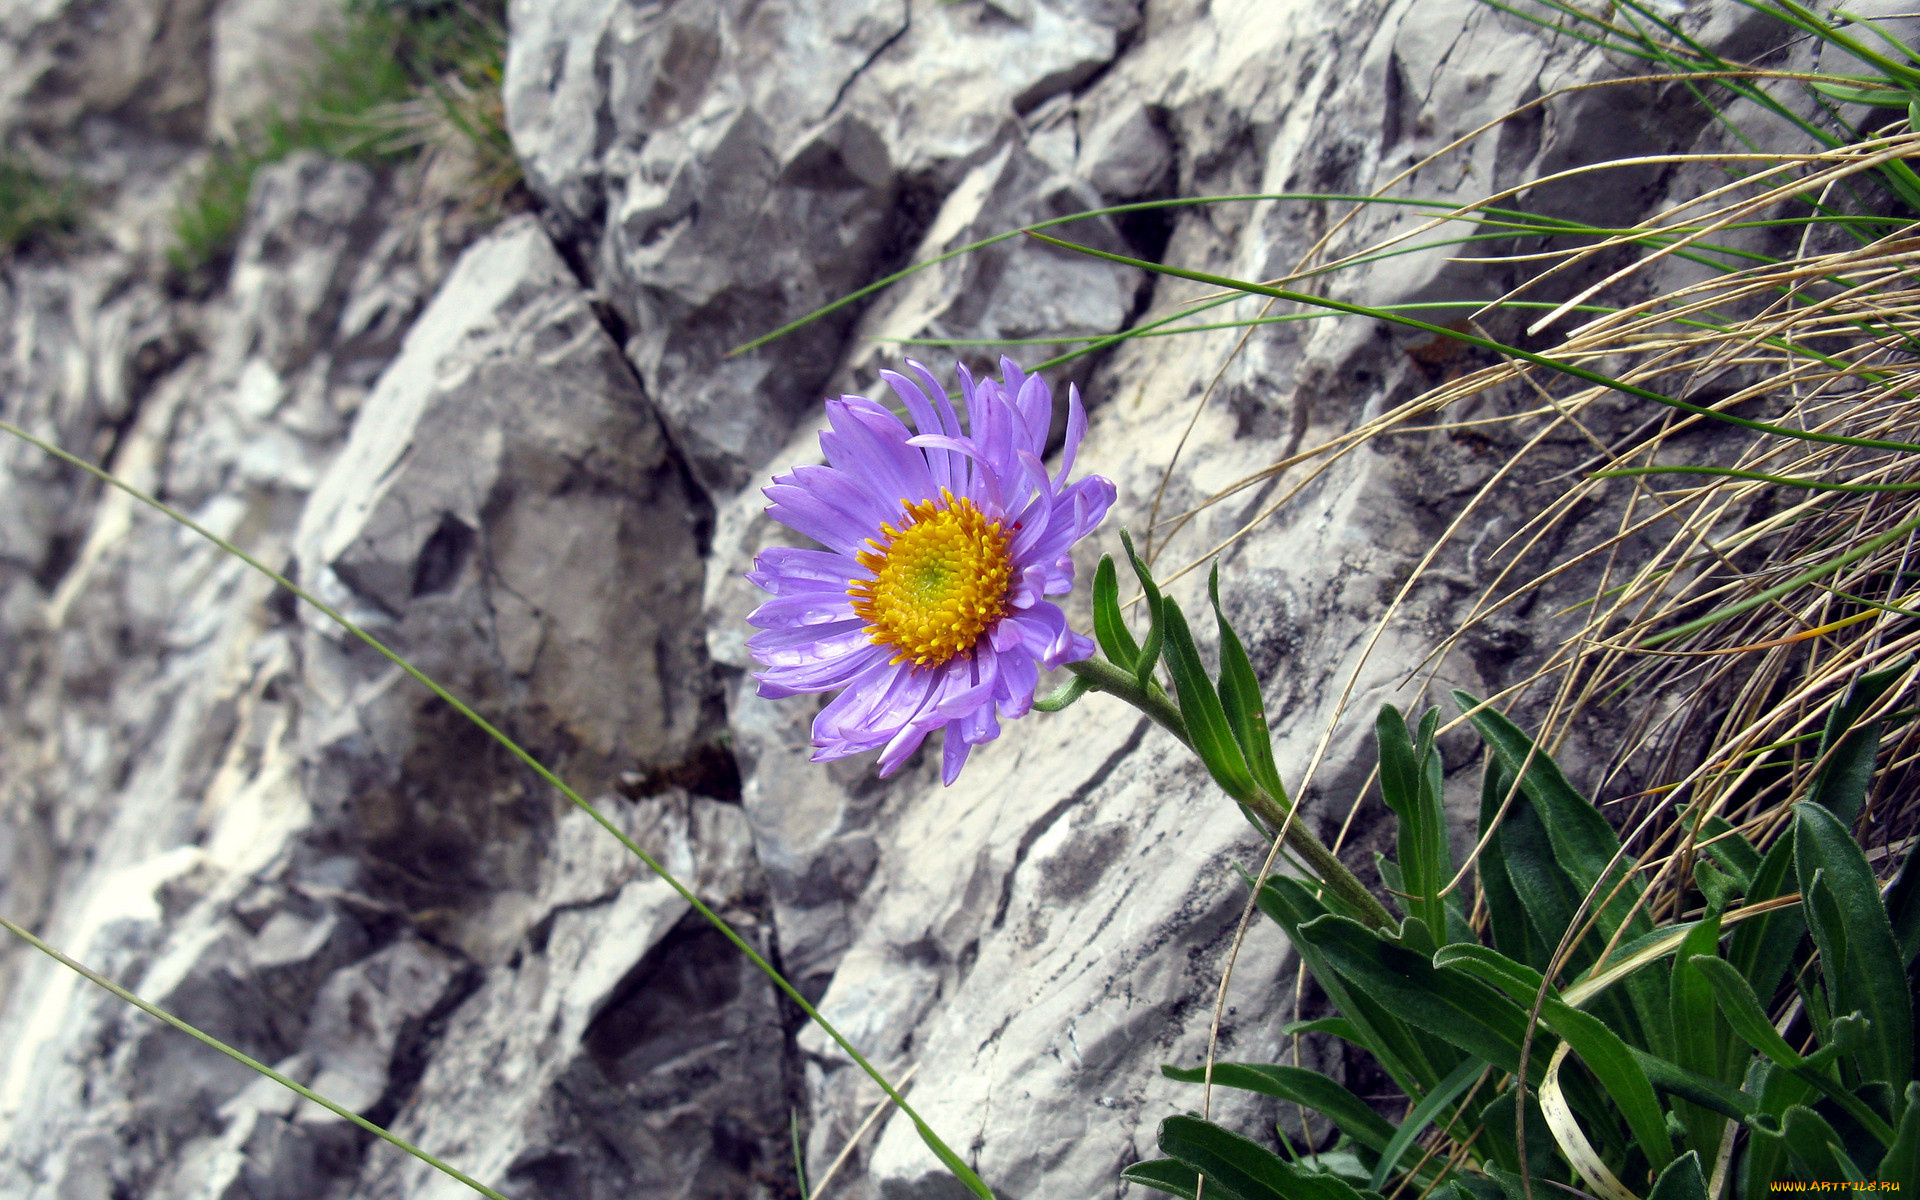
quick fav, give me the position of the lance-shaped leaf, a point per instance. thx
(1349, 1113)
(1749, 1021)
(1584, 844)
(1725, 845)
(1414, 1062)
(1604, 1054)
(1410, 784)
(1156, 628)
(1207, 726)
(1424, 1114)
(1681, 1180)
(1586, 849)
(1165, 1175)
(1238, 1168)
(1860, 960)
(1240, 697)
(1816, 1149)
(1448, 1004)
(1847, 746)
(1109, 623)
(1513, 933)
(1700, 1032)
(1901, 1165)
(1762, 949)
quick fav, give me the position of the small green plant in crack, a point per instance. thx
(395, 80)
(35, 208)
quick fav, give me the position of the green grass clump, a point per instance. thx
(34, 208)
(398, 79)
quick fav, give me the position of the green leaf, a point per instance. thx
(1860, 960)
(1165, 1175)
(1207, 726)
(1599, 1048)
(1423, 1115)
(1901, 1165)
(1815, 1147)
(1310, 1088)
(1718, 888)
(1766, 1158)
(1240, 697)
(1584, 844)
(1681, 1180)
(1242, 1169)
(1671, 1080)
(1414, 1062)
(1339, 1027)
(1749, 1021)
(1411, 785)
(1109, 623)
(1156, 628)
(1846, 752)
(1452, 1006)
(1742, 1010)
(1903, 909)
(1513, 932)
(1762, 949)
(1724, 845)
(1700, 1033)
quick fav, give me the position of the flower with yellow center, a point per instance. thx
(938, 584)
(927, 607)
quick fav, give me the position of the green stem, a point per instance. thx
(208, 1039)
(1275, 813)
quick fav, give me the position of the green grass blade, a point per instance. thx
(1538, 360)
(208, 1039)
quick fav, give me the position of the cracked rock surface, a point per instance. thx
(523, 458)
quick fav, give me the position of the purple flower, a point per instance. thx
(928, 604)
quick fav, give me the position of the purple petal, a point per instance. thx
(803, 611)
(1019, 677)
(869, 445)
(872, 709)
(1034, 402)
(791, 570)
(825, 507)
(1076, 429)
(808, 643)
(823, 676)
(953, 754)
(949, 421)
(940, 463)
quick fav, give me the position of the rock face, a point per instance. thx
(533, 469)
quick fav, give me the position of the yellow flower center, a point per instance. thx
(938, 583)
